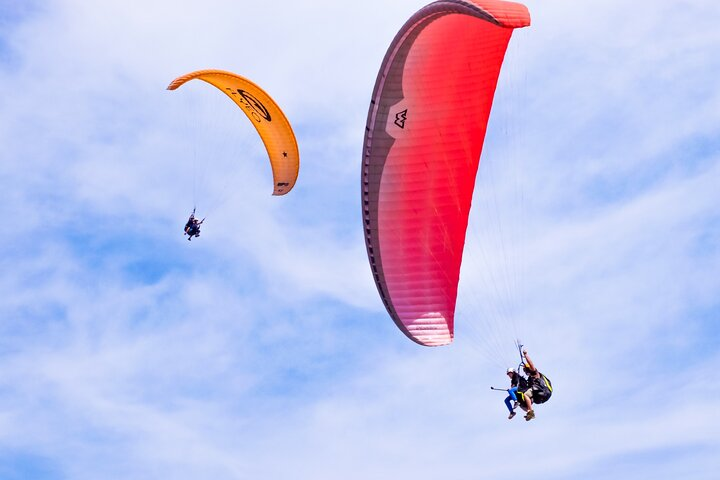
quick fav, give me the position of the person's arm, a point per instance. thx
(529, 362)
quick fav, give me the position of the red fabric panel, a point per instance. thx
(508, 14)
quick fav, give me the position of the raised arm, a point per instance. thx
(529, 362)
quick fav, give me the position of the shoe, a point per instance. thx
(530, 415)
(512, 414)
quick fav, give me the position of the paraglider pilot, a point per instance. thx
(192, 227)
(523, 393)
(539, 388)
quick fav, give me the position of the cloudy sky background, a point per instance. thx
(262, 350)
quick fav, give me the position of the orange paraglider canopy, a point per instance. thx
(269, 121)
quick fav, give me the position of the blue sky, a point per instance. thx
(262, 350)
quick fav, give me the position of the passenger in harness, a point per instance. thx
(539, 388)
(517, 382)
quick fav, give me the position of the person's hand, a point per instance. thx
(524, 352)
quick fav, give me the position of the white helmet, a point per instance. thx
(510, 370)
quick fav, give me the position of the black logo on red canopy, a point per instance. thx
(400, 118)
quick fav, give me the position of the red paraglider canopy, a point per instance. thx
(425, 132)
